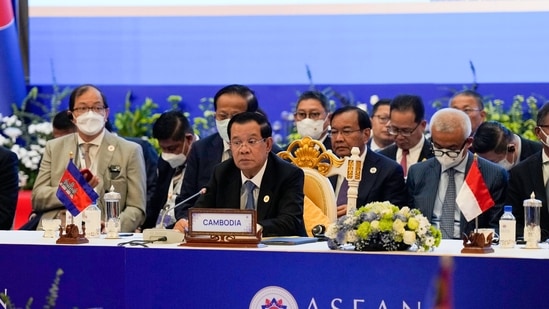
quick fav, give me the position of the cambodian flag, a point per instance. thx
(74, 191)
(12, 78)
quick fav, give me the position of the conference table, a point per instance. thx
(102, 274)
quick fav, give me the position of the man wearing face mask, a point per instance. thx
(175, 137)
(214, 149)
(113, 160)
(433, 184)
(494, 142)
(532, 175)
(311, 116)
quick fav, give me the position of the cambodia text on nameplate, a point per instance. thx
(203, 221)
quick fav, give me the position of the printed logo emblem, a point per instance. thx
(273, 297)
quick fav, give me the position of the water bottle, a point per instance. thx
(92, 217)
(507, 228)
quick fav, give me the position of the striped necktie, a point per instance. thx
(448, 207)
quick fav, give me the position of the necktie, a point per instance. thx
(250, 202)
(448, 207)
(404, 161)
(342, 195)
(86, 152)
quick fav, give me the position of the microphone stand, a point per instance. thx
(172, 236)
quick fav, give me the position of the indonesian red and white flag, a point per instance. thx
(473, 197)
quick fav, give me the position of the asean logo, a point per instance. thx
(273, 297)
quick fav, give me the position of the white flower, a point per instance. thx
(331, 231)
(409, 237)
(351, 236)
(374, 99)
(13, 133)
(362, 106)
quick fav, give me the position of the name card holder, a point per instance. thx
(214, 227)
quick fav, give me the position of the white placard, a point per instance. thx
(207, 222)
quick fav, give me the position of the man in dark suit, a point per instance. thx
(312, 116)
(382, 178)
(494, 142)
(471, 103)
(380, 137)
(9, 187)
(433, 184)
(532, 175)
(255, 178)
(175, 137)
(407, 125)
(212, 150)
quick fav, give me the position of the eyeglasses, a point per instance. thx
(82, 110)
(469, 110)
(404, 132)
(382, 119)
(345, 132)
(450, 153)
(250, 142)
(311, 115)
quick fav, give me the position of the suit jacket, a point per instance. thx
(382, 180)
(114, 151)
(280, 199)
(160, 195)
(423, 180)
(528, 148)
(525, 178)
(9, 187)
(426, 151)
(204, 155)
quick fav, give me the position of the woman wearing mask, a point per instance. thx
(312, 116)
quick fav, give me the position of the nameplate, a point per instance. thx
(215, 221)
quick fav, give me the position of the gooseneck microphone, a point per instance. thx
(167, 209)
(171, 236)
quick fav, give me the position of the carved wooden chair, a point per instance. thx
(318, 164)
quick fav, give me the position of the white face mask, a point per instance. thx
(505, 164)
(175, 160)
(310, 127)
(90, 123)
(546, 141)
(222, 126)
(448, 162)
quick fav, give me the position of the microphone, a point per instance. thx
(172, 236)
(318, 232)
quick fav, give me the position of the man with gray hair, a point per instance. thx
(434, 183)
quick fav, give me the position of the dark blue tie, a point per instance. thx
(250, 186)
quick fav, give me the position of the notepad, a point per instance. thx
(288, 241)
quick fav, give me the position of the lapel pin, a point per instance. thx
(266, 199)
(373, 170)
(110, 148)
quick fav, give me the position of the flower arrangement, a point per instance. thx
(25, 133)
(382, 226)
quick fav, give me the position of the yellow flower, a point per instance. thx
(413, 224)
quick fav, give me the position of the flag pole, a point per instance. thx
(71, 156)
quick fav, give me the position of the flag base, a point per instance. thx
(72, 235)
(477, 243)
